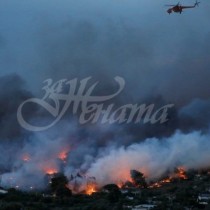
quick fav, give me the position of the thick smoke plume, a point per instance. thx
(153, 157)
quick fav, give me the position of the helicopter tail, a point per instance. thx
(196, 3)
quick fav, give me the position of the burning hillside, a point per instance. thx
(82, 184)
(153, 158)
(179, 174)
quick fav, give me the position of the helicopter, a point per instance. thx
(178, 8)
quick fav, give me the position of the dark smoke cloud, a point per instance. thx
(12, 93)
(195, 116)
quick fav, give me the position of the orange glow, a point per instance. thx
(91, 188)
(168, 180)
(181, 173)
(63, 154)
(120, 184)
(160, 183)
(155, 185)
(26, 157)
(51, 171)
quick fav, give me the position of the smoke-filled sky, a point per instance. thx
(163, 59)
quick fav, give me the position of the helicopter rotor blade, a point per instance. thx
(173, 5)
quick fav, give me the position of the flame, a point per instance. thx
(91, 188)
(120, 184)
(64, 154)
(49, 168)
(51, 171)
(155, 185)
(167, 180)
(161, 183)
(181, 173)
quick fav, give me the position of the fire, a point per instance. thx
(90, 189)
(51, 171)
(161, 183)
(26, 157)
(49, 168)
(63, 155)
(91, 186)
(155, 185)
(120, 184)
(181, 173)
(168, 180)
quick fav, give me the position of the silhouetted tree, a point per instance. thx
(111, 187)
(114, 192)
(138, 178)
(59, 185)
